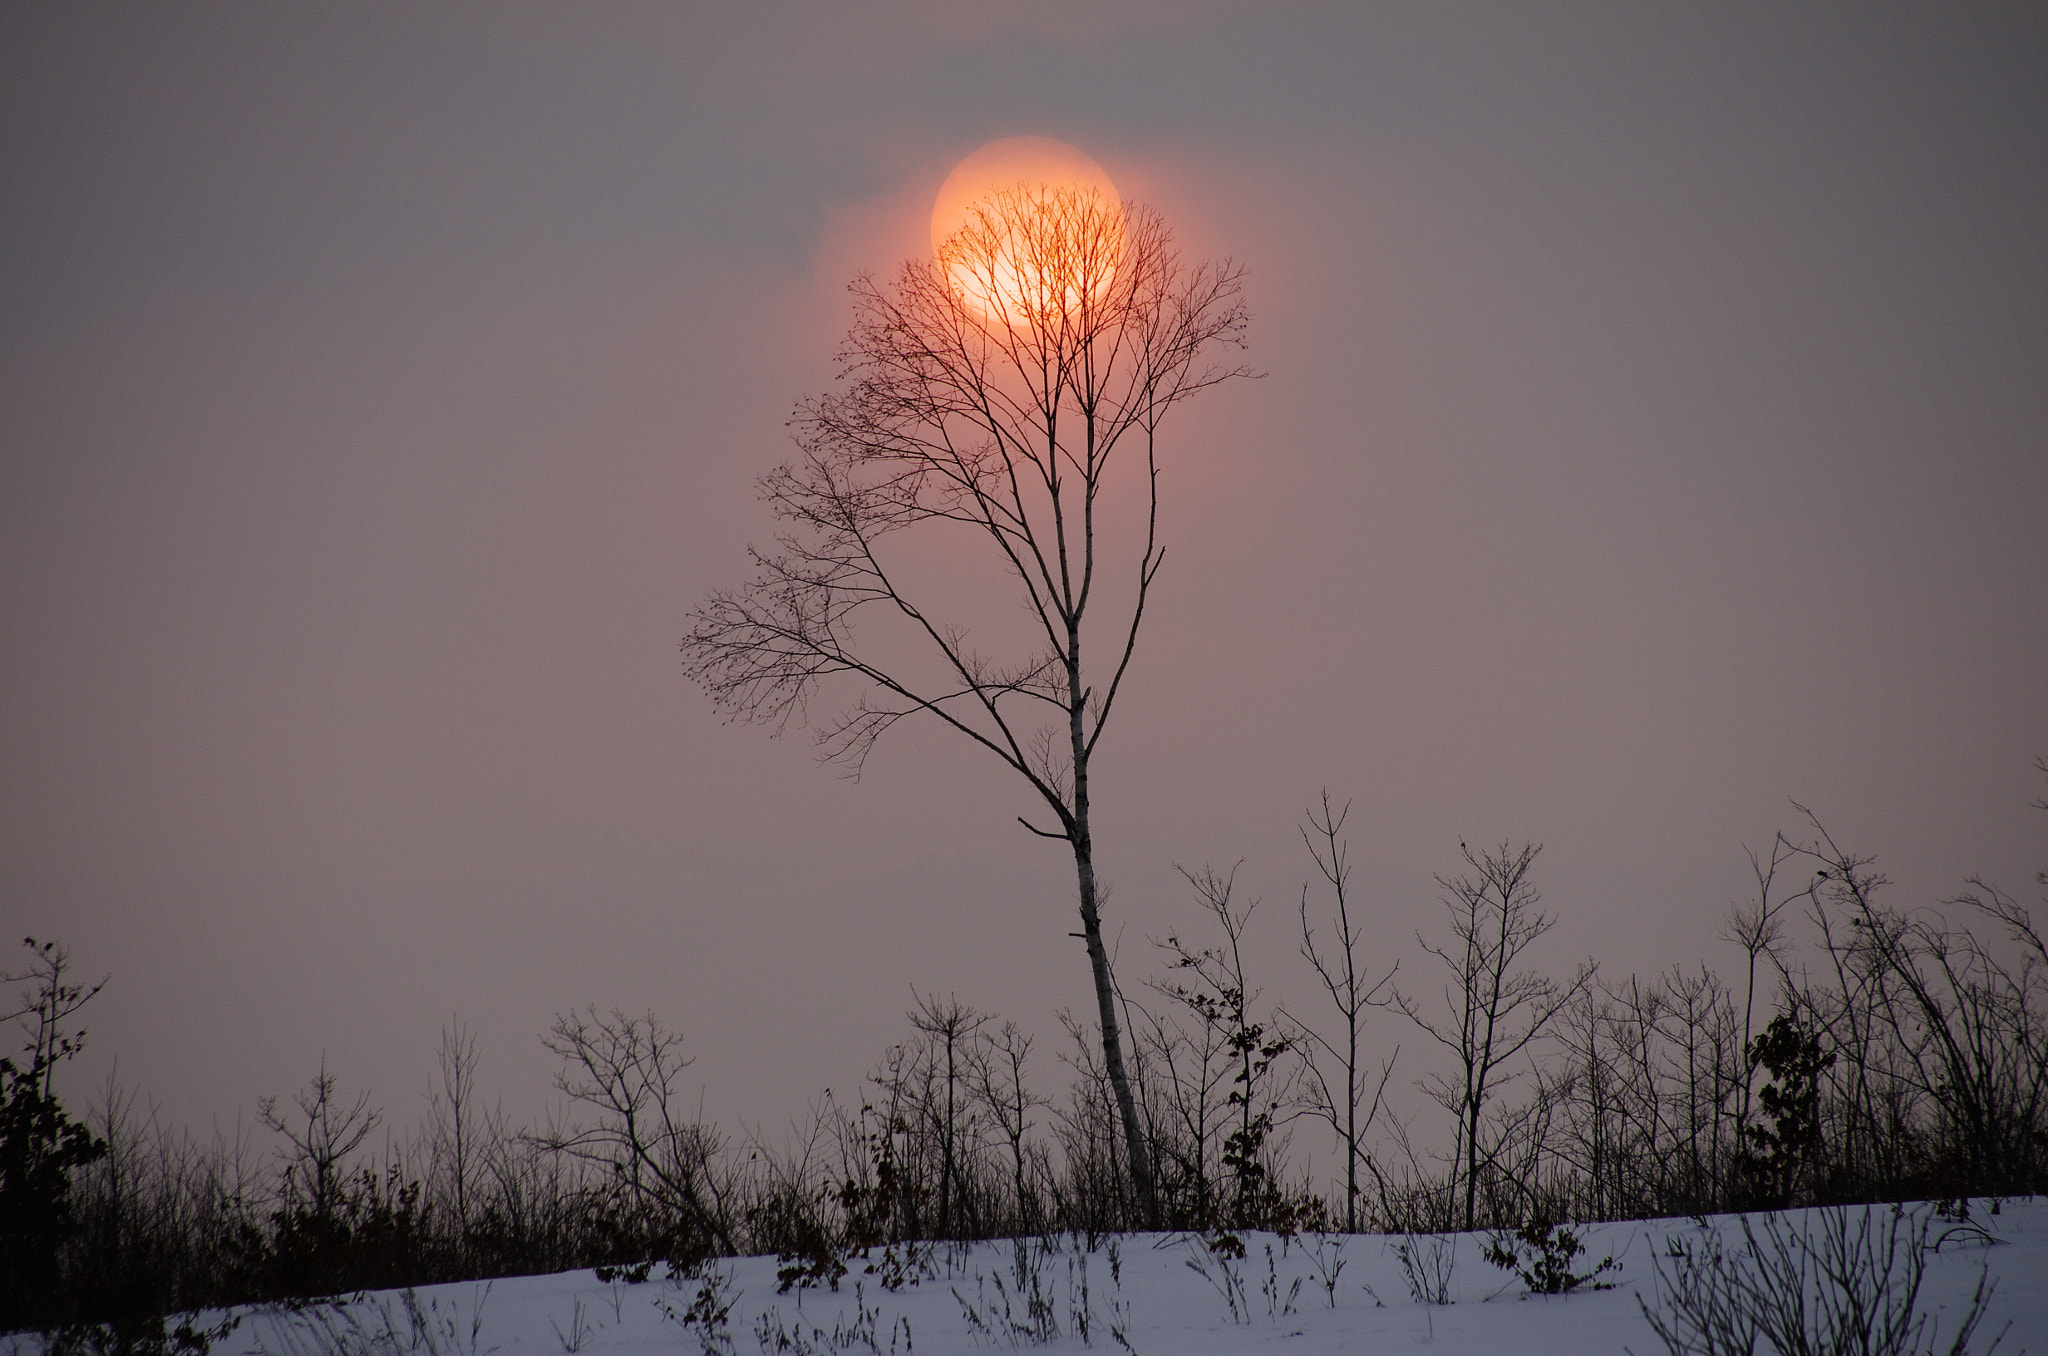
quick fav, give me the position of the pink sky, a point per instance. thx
(1654, 429)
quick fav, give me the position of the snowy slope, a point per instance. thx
(1161, 1305)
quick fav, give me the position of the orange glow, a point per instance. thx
(1027, 226)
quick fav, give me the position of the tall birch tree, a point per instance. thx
(990, 400)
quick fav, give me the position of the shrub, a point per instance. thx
(1541, 1254)
(1846, 1281)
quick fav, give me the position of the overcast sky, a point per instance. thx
(1654, 430)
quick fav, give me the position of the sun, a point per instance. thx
(1027, 227)
(1011, 163)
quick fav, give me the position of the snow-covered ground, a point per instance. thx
(1139, 1293)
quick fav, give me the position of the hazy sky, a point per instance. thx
(1655, 429)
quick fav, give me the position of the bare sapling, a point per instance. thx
(1493, 1012)
(321, 1136)
(1212, 984)
(1344, 975)
(627, 1071)
(951, 1028)
(996, 1079)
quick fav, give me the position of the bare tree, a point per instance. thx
(626, 1069)
(452, 1117)
(52, 1004)
(322, 1136)
(951, 1028)
(987, 395)
(996, 1077)
(1211, 983)
(1495, 1011)
(1968, 1029)
(1347, 979)
(1094, 1190)
(1186, 1074)
(1757, 926)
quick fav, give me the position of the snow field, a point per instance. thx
(1309, 1295)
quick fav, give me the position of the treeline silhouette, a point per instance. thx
(1887, 1054)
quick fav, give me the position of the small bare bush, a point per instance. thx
(380, 1328)
(1847, 1281)
(1427, 1261)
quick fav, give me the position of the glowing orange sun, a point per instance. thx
(1027, 227)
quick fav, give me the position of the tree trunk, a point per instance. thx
(1112, 1041)
(1098, 961)
(1471, 1163)
(1351, 1126)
